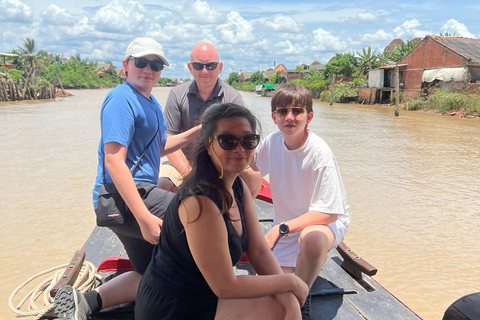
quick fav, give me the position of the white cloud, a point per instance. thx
(120, 16)
(281, 23)
(411, 29)
(198, 12)
(103, 53)
(325, 41)
(55, 15)
(15, 11)
(366, 17)
(237, 29)
(379, 36)
(288, 48)
(455, 28)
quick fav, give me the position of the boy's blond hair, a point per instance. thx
(287, 94)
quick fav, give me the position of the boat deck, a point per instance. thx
(335, 293)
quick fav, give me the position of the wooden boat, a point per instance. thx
(343, 290)
(265, 90)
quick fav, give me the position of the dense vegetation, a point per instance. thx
(72, 73)
(353, 68)
(446, 102)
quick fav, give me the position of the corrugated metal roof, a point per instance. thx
(467, 47)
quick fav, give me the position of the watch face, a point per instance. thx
(283, 228)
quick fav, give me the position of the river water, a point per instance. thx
(412, 182)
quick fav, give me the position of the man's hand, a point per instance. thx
(272, 237)
(151, 228)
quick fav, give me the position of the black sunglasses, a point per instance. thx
(155, 65)
(230, 142)
(209, 65)
(283, 112)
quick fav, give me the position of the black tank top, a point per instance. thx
(174, 278)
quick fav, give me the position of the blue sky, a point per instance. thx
(250, 35)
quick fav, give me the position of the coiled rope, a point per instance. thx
(84, 282)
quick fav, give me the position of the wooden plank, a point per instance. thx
(71, 273)
(372, 301)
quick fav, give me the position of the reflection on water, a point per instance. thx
(412, 182)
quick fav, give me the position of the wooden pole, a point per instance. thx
(332, 88)
(397, 89)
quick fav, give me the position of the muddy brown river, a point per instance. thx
(412, 182)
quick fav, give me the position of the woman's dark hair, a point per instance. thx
(204, 177)
(288, 93)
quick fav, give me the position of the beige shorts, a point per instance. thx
(169, 171)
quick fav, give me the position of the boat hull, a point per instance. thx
(335, 294)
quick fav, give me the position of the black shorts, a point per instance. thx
(138, 249)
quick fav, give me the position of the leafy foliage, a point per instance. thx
(368, 60)
(344, 92)
(315, 87)
(400, 51)
(257, 78)
(325, 96)
(13, 73)
(447, 101)
(314, 75)
(164, 81)
(343, 65)
(233, 78)
(77, 73)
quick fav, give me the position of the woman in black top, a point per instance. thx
(207, 227)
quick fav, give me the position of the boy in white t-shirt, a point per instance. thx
(311, 215)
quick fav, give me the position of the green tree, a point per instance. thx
(343, 65)
(274, 79)
(164, 81)
(257, 78)
(29, 58)
(399, 52)
(233, 78)
(313, 75)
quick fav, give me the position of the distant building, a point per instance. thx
(448, 63)
(102, 69)
(280, 68)
(245, 76)
(317, 66)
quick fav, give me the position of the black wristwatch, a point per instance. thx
(284, 229)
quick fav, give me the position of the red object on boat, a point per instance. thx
(243, 259)
(115, 264)
(265, 194)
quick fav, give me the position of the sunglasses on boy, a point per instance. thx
(199, 66)
(155, 65)
(230, 142)
(283, 112)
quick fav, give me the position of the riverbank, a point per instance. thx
(457, 113)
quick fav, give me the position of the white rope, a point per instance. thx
(84, 282)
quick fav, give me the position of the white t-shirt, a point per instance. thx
(302, 180)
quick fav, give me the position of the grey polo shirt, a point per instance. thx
(185, 107)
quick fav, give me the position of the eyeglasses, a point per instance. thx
(283, 112)
(209, 65)
(230, 142)
(155, 65)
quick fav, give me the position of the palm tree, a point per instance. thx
(28, 52)
(368, 60)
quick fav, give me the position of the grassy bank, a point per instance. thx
(446, 102)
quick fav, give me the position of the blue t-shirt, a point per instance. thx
(129, 118)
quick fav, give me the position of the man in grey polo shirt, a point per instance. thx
(187, 102)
